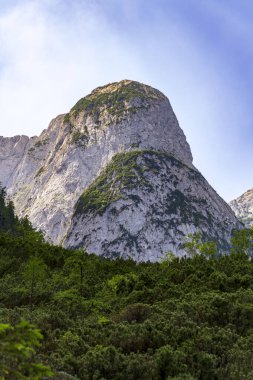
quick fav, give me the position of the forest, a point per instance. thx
(65, 314)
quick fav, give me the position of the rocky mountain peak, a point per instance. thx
(137, 115)
(114, 175)
(125, 91)
(243, 207)
(116, 98)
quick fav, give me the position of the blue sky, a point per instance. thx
(199, 53)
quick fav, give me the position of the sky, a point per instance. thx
(199, 53)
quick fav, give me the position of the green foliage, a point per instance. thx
(123, 284)
(76, 262)
(185, 318)
(242, 242)
(138, 313)
(34, 274)
(8, 221)
(126, 170)
(79, 138)
(168, 259)
(194, 246)
(115, 102)
(17, 352)
(40, 143)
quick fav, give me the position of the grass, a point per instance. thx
(40, 143)
(80, 138)
(125, 171)
(121, 172)
(114, 102)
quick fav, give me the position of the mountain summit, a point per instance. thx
(115, 176)
(243, 207)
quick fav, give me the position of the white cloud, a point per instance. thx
(52, 52)
(48, 62)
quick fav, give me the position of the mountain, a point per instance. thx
(114, 175)
(243, 208)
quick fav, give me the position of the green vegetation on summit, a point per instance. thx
(188, 318)
(115, 98)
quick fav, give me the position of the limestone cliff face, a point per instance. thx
(114, 175)
(143, 204)
(243, 208)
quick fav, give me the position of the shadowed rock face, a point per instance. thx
(115, 176)
(243, 208)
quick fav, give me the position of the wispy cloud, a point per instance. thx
(52, 52)
(47, 62)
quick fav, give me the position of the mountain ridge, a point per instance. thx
(46, 175)
(243, 207)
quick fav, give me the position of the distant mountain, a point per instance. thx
(114, 175)
(243, 207)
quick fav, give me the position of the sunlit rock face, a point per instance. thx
(115, 176)
(243, 208)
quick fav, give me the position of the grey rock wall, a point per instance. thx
(243, 208)
(162, 200)
(46, 175)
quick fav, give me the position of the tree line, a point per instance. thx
(65, 314)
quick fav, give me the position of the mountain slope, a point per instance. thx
(143, 204)
(243, 207)
(49, 176)
(120, 320)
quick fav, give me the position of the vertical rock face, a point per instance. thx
(143, 204)
(243, 208)
(114, 175)
(12, 152)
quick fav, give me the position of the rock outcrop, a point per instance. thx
(115, 176)
(243, 208)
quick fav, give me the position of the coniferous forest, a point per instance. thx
(68, 315)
